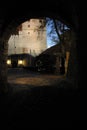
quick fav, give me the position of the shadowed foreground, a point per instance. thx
(44, 107)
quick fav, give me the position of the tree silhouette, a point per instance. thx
(57, 28)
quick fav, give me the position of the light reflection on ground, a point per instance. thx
(32, 78)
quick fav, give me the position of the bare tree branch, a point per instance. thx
(56, 28)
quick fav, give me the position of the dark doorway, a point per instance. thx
(14, 63)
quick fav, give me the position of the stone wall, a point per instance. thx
(3, 65)
(31, 38)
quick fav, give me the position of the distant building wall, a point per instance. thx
(31, 38)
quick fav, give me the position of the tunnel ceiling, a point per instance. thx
(60, 9)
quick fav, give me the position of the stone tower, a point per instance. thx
(31, 38)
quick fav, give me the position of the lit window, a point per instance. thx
(20, 62)
(8, 62)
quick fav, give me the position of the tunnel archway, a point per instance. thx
(13, 22)
(67, 106)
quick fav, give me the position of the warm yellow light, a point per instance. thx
(20, 62)
(8, 62)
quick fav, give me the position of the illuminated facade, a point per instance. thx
(31, 38)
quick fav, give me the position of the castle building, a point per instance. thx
(31, 38)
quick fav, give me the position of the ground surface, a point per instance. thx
(25, 78)
(42, 101)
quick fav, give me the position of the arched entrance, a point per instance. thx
(9, 28)
(62, 107)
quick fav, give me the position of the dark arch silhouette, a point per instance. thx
(54, 103)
